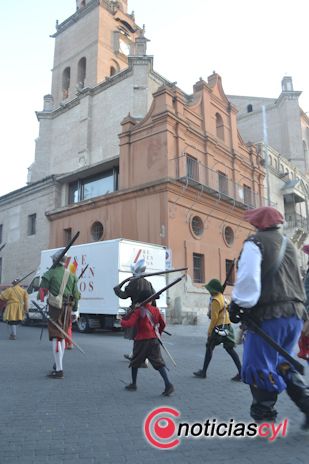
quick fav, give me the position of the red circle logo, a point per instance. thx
(160, 428)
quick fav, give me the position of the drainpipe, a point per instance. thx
(265, 136)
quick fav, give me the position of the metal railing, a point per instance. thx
(192, 172)
(296, 220)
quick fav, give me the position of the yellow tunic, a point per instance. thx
(16, 303)
(219, 315)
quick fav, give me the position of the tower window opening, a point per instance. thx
(66, 77)
(81, 72)
(249, 109)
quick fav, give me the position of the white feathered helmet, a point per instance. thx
(139, 267)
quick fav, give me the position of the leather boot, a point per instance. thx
(262, 407)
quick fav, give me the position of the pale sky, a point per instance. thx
(252, 44)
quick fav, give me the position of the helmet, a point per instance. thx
(139, 267)
(15, 281)
(56, 256)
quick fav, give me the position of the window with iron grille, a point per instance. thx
(223, 183)
(198, 268)
(32, 224)
(192, 168)
(247, 195)
(228, 265)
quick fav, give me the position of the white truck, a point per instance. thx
(109, 263)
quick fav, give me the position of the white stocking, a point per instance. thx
(62, 349)
(57, 354)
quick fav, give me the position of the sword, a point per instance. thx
(83, 272)
(166, 350)
(57, 326)
(150, 274)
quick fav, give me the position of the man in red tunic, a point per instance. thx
(150, 325)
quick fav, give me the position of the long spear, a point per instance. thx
(229, 274)
(65, 250)
(22, 278)
(150, 274)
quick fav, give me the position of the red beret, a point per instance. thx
(306, 249)
(264, 217)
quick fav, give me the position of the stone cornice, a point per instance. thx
(29, 189)
(75, 17)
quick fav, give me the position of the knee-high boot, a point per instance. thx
(262, 407)
(296, 388)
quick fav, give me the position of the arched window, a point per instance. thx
(66, 76)
(114, 68)
(249, 109)
(219, 126)
(81, 72)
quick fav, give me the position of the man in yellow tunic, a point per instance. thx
(219, 331)
(17, 303)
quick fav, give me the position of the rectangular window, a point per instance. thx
(32, 224)
(223, 183)
(247, 195)
(1, 232)
(198, 268)
(192, 168)
(228, 265)
(67, 235)
(91, 187)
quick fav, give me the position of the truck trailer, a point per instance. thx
(109, 262)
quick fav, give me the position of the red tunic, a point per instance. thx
(145, 329)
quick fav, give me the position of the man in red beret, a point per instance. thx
(269, 288)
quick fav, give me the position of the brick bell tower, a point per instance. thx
(91, 45)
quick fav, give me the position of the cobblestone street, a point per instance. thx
(88, 417)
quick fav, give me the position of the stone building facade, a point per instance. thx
(78, 145)
(180, 174)
(185, 179)
(286, 124)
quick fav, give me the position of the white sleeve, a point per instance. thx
(247, 288)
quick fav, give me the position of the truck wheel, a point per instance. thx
(83, 325)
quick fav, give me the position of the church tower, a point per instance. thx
(91, 45)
